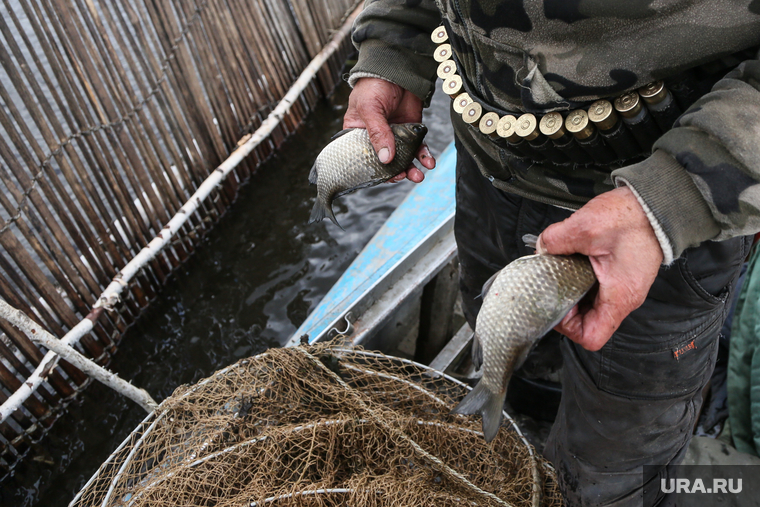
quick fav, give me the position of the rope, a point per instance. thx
(395, 431)
(118, 122)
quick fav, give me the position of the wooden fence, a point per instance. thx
(111, 115)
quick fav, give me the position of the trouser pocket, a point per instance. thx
(661, 370)
(667, 347)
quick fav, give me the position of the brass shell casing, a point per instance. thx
(488, 123)
(552, 125)
(439, 35)
(452, 85)
(628, 105)
(527, 127)
(461, 101)
(446, 68)
(472, 112)
(602, 114)
(506, 128)
(653, 93)
(442, 53)
(577, 123)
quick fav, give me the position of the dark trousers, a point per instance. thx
(635, 401)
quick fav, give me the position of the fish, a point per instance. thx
(521, 303)
(349, 163)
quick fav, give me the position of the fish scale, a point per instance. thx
(521, 303)
(349, 162)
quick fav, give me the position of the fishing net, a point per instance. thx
(320, 425)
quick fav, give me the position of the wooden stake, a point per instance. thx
(38, 335)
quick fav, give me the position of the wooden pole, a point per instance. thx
(112, 293)
(58, 348)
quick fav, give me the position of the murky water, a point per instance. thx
(247, 288)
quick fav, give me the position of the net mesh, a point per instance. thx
(320, 425)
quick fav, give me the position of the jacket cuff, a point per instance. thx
(676, 208)
(409, 70)
(355, 76)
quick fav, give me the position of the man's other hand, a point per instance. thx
(612, 229)
(374, 104)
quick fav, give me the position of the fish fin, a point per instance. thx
(489, 405)
(524, 355)
(477, 351)
(313, 174)
(366, 184)
(548, 327)
(320, 211)
(530, 240)
(488, 284)
(342, 133)
(542, 332)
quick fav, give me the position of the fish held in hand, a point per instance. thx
(521, 303)
(349, 163)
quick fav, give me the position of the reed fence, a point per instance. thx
(113, 114)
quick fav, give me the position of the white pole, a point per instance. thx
(40, 336)
(111, 295)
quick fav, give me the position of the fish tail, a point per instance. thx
(322, 210)
(486, 403)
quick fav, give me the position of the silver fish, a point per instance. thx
(521, 303)
(349, 162)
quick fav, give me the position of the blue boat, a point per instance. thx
(372, 304)
(382, 287)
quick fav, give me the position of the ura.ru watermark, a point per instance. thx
(715, 485)
(702, 485)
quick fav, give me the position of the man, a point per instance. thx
(664, 230)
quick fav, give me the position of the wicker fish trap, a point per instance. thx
(320, 425)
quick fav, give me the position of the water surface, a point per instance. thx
(248, 286)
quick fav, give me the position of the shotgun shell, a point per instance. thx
(660, 102)
(452, 85)
(461, 101)
(446, 68)
(439, 35)
(578, 125)
(527, 127)
(602, 115)
(442, 53)
(488, 123)
(552, 125)
(472, 112)
(506, 128)
(653, 93)
(628, 105)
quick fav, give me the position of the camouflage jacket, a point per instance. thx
(700, 181)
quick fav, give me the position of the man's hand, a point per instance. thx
(373, 104)
(613, 230)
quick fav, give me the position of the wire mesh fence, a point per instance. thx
(113, 113)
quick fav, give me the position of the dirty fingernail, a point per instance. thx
(383, 155)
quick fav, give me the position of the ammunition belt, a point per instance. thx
(609, 132)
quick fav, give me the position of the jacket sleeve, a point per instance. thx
(393, 38)
(702, 181)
